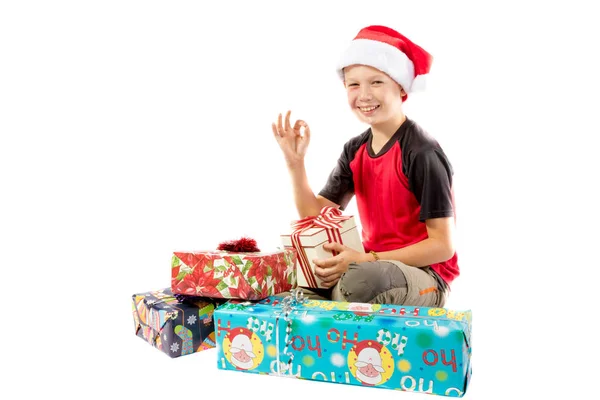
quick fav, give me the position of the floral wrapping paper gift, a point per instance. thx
(233, 275)
(416, 349)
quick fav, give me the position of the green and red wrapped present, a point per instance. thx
(236, 270)
(416, 349)
(175, 326)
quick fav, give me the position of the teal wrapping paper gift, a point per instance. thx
(418, 349)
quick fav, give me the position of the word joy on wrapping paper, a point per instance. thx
(343, 349)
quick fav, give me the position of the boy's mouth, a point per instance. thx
(368, 110)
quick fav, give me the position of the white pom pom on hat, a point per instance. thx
(390, 52)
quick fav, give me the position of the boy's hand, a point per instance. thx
(330, 270)
(290, 140)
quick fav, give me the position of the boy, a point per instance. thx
(400, 176)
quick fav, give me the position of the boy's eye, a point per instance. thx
(353, 84)
(377, 82)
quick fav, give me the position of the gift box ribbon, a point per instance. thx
(330, 219)
(288, 304)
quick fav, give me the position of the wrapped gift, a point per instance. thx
(417, 349)
(176, 327)
(308, 236)
(233, 274)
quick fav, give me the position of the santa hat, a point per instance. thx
(369, 356)
(241, 337)
(368, 349)
(390, 52)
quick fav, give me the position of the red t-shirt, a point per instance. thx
(406, 183)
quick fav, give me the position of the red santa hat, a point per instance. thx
(390, 52)
(242, 335)
(369, 350)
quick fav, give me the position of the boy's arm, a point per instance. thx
(438, 247)
(307, 203)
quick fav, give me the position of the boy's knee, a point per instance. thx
(365, 281)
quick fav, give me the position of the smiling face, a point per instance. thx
(373, 96)
(241, 352)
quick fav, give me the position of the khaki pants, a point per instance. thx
(390, 282)
(384, 282)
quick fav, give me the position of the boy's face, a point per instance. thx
(372, 95)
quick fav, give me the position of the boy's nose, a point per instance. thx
(365, 94)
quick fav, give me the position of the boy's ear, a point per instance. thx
(402, 92)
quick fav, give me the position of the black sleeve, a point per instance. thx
(339, 187)
(430, 180)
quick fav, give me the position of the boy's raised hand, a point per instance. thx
(290, 140)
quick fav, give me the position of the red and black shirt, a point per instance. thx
(406, 183)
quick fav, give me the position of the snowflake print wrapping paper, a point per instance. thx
(176, 328)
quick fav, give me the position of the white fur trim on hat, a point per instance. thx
(240, 341)
(382, 56)
(370, 353)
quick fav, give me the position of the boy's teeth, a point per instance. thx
(367, 109)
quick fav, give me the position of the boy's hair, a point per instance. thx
(390, 52)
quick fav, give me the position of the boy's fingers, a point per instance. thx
(330, 282)
(297, 127)
(288, 127)
(322, 262)
(329, 262)
(306, 131)
(324, 273)
(275, 133)
(301, 124)
(279, 126)
(334, 246)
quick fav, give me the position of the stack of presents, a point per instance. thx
(250, 306)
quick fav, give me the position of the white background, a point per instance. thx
(130, 129)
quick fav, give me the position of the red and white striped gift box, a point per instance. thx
(308, 236)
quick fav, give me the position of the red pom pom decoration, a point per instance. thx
(243, 245)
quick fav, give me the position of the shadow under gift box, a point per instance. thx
(176, 328)
(230, 275)
(416, 349)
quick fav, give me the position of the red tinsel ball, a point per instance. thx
(243, 245)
